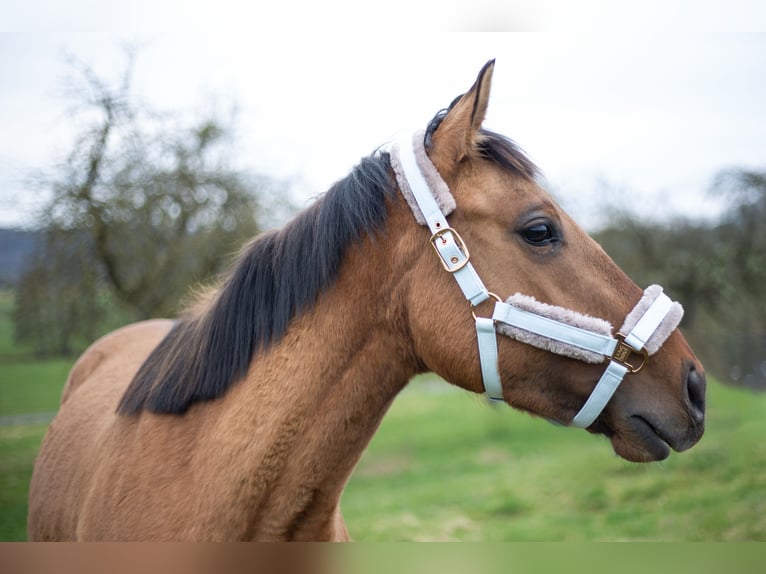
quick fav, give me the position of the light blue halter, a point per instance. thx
(654, 317)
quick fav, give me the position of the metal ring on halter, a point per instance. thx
(495, 297)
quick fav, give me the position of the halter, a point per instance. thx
(520, 317)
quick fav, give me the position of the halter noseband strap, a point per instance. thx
(555, 329)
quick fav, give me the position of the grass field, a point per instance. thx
(27, 384)
(446, 466)
(443, 467)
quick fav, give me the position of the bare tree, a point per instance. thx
(143, 207)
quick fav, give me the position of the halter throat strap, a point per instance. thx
(653, 318)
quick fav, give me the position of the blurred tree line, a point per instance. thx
(143, 207)
(716, 269)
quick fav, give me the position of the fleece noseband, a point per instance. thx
(555, 329)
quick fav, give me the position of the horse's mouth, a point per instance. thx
(638, 440)
(655, 442)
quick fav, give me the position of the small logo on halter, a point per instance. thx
(623, 351)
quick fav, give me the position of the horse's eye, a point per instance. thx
(539, 233)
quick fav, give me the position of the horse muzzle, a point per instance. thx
(648, 433)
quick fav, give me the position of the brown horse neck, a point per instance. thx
(303, 434)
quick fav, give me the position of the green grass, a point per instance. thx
(31, 387)
(447, 466)
(443, 467)
(27, 383)
(18, 448)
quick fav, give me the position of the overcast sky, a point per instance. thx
(649, 110)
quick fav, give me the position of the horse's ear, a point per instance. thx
(457, 135)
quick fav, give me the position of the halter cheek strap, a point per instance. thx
(448, 244)
(552, 328)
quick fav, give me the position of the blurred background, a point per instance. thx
(142, 145)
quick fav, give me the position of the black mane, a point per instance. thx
(278, 276)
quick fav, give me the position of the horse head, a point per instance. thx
(500, 226)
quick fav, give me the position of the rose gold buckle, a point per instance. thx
(454, 264)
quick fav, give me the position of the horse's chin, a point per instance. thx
(637, 440)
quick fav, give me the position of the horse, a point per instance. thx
(244, 418)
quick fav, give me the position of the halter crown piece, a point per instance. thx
(555, 329)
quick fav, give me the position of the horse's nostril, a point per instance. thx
(695, 388)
